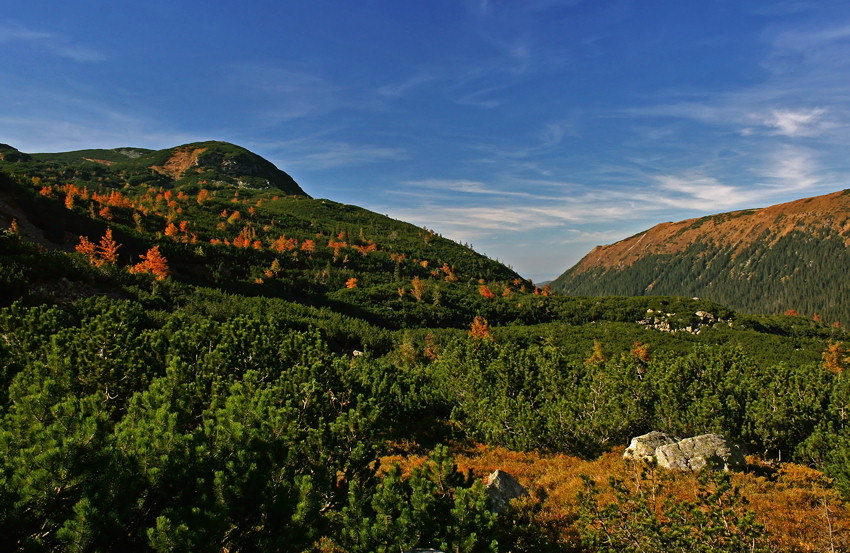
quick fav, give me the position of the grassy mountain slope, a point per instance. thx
(787, 256)
(227, 219)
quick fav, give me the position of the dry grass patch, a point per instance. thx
(796, 504)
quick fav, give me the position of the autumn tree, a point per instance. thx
(308, 246)
(364, 250)
(597, 355)
(486, 292)
(417, 288)
(107, 248)
(88, 249)
(336, 246)
(449, 272)
(284, 243)
(152, 262)
(105, 251)
(274, 269)
(235, 216)
(640, 351)
(351, 283)
(480, 329)
(245, 237)
(172, 231)
(834, 357)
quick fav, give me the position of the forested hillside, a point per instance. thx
(785, 257)
(196, 356)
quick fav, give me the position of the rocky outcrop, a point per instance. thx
(689, 454)
(672, 322)
(502, 488)
(696, 453)
(643, 447)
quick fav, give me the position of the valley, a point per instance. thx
(196, 355)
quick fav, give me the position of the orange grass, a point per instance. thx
(796, 504)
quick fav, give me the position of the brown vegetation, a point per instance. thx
(737, 228)
(182, 159)
(796, 504)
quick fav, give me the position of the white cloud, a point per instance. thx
(340, 154)
(810, 39)
(462, 186)
(793, 170)
(50, 42)
(15, 33)
(699, 192)
(791, 123)
(59, 134)
(282, 93)
(398, 89)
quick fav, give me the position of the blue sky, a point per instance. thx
(532, 130)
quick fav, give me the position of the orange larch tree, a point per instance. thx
(417, 288)
(308, 246)
(640, 351)
(107, 249)
(336, 246)
(171, 230)
(153, 262)
(834, 357)
(480, 329)
(246, 237)
(88, 249)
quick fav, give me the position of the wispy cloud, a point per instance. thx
(400, 88)
(810, 39)
(426, 186)
(327, 155)
(793, 170)
(57, 134)
(792, 123)
(284, 93)
(699, 192)
(50, 42)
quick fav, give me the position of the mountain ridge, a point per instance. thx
(209, 163)
(766, 259)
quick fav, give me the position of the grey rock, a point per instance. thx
(643, 447)
(502, 488)
(693, 454)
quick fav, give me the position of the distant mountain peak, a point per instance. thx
(222, 162)
(787, 256)
(207, 164)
